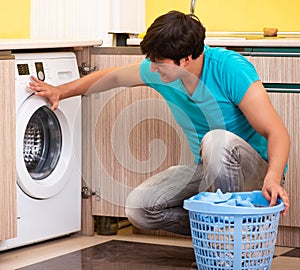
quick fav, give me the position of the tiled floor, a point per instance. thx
(118, 252)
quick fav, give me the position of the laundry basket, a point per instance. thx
(233, 237)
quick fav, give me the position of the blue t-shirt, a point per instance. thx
(225, 78)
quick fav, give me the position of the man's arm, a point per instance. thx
(259, 111)
(98, 81)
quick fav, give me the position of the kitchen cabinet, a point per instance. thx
(117, 153)
(274, 68)
(288, 107)
(7, 149)
(130, 135)
(117, 16)
(279, 72)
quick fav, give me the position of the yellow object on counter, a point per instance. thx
(270, 32)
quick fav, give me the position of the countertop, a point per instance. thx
(246, 41)
(21, 44)
(279, 41)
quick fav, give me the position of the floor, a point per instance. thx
(114, 252)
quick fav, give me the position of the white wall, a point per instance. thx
(85, 19)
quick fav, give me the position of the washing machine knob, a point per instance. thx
(40, 71)
(41, 75)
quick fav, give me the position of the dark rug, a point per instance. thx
(121, 255)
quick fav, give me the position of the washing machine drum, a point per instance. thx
(42, 143)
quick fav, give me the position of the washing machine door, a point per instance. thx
(43, 145)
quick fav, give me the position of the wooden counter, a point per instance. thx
(231, 41)
(23, 44)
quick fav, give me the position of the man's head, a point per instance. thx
(174, 35)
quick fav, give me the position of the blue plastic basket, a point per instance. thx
(234, 237)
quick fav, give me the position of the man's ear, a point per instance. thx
(186, 60)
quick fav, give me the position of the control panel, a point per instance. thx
(23, 69)
(53, 68)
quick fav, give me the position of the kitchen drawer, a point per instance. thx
(277, 69)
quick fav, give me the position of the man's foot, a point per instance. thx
(194, 265)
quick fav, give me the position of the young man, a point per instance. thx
(238, 140)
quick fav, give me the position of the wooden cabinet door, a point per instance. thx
(131, 136)
(283, 70)
(288, 107)
(7, 150)
(277, 69)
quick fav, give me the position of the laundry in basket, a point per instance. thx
(233, 230)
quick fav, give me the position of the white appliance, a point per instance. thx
(48, 157)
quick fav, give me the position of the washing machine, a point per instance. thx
(48, 152)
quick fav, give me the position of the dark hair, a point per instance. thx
(174, 35)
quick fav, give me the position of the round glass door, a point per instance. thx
(44, 148)
(42, 143)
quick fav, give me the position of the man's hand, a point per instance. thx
(45, 90)
(272, 191)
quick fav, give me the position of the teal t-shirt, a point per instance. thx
(225, 78)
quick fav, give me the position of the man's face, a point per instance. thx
(167, 69)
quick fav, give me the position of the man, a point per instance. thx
(238, 140)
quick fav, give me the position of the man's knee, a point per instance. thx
(212, 145)
(142, 209)
(213, 152)
(215, 143)
(134, 209)
(134, 215)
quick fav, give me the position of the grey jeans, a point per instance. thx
(228, 163)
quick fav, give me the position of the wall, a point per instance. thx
(234, 15)
(14, 18)
(216, 15)
(70, 19)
